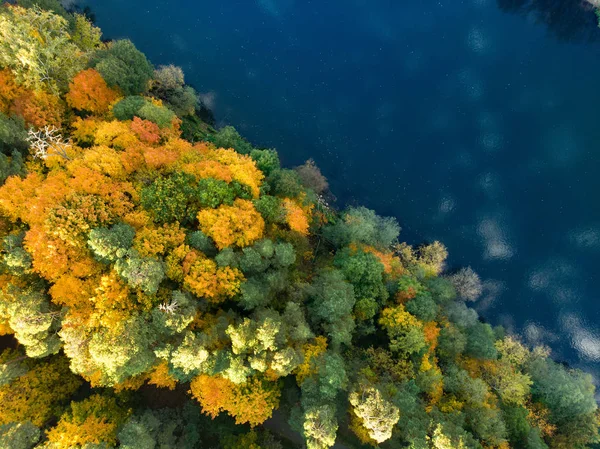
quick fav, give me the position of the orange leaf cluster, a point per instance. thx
(391, 264)
(214, 393)
(89, 92)
(252, 402)
(9, 90)
(38, 109)
(296, 217)
(240, 224)
(145, 130)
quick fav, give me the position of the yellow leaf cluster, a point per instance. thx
(206, 279)
(153, 241)
(161, 378)
(240, 224)
(398, 317)
(311, 352)
(115, 134)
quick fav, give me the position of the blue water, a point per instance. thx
(472, 125)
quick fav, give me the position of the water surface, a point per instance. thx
(472, 125)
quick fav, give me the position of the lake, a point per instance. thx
(473, 122)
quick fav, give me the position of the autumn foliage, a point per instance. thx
(89, 92)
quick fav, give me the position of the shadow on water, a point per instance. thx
(568, 20)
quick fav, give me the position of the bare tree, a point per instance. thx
(47, 141)
(467, 284)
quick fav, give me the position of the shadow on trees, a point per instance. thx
(568, 20)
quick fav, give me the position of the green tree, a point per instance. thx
(332, 302)
(111, 244)
(162, 429)
(171, 198)
(567, 393)
(364, 271)
(320, 426)
(145, 273)
(124, 66)
(228, 137)
(122, 352)
(32, 318)
(377, 415)
(480, 341)
(266, 160)
(362, 225)
(35, 45)
(19, 435)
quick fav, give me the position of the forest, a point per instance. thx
(164, 284)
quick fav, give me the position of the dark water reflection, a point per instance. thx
(472, 126)
(567, 20)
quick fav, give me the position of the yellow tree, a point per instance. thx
(240, 224)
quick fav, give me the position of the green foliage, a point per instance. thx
(201, 242)
(267, 161)
(136, 106)
(228, 137)
(174, 316)
(320, 426)
(487, 425)
(285, 183)
(470, 390)
(214, 192)
(160, 115)
(480, 341)
(144, 273)
(32, 318)
(13, 136)
(111, 244)
(442, 290)
(19, 435)
(451, 342)
(124, 66)
(12, 365)
(168, 85)
(193, 129)
(567, 393)
(270, 208)
(332, 302)
(14, 257)
(112, 353)
(171, 198)
(128, 107)
(423, 307)
(35, 45)
(362, 225)
(12, 165)
(377, 414)
(85, 35)
(47, 5)
(227, 257)
(162, 429)
(364, 271)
